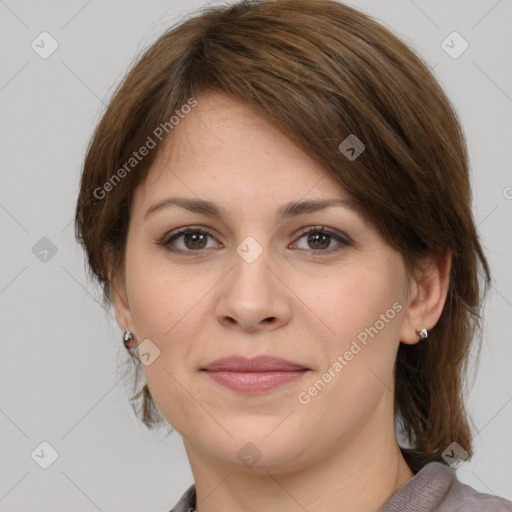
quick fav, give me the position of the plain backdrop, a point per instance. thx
(60, 351)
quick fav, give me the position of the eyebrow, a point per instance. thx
(286, 211)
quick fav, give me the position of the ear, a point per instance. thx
(119, 297)
(427, 296)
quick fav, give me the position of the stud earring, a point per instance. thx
(424, 334)
(128, 336)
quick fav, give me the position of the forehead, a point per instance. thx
(223, 150)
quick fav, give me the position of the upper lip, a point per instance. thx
(253, 364)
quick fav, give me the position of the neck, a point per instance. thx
(359, 477)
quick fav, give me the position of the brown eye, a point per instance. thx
(187, 240)
(320, 239)
(195, 241)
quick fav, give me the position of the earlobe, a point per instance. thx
(427, 298)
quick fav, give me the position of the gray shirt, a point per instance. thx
(435, 488)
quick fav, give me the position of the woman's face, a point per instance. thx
(333, 301)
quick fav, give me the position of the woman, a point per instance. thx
(277, 204)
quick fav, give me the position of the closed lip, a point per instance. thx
(253, 364)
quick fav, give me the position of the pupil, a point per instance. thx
(197, 238)
(324, 237)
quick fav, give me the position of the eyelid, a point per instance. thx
(325, 229)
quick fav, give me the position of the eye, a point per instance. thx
(193, 240)
(319, 239)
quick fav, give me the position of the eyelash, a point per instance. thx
(343, 240)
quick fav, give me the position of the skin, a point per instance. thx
(293, 302)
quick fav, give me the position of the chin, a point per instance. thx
(253, 449)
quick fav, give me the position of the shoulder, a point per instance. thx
(436, 488)
(464, 498)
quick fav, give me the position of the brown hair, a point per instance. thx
(320, 71)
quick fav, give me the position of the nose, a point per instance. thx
(253, 296)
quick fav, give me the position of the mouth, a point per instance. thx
(253, 375)
(253, 364)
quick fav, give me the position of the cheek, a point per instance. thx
(357, 299)
(363, 309)
(358, 361)
(165, 307)
(159, 294)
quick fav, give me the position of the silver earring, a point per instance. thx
(128, 336)
(424, 334)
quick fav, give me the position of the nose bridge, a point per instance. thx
(252, 294)
(251, 274)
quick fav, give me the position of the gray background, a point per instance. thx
(61, 352)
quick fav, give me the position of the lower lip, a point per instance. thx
(254, 382)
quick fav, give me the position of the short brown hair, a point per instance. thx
(320, 71)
